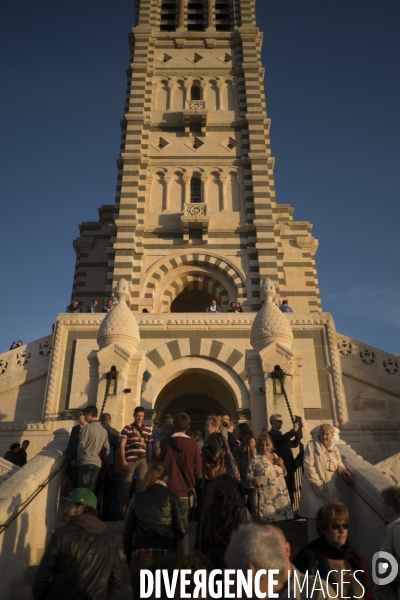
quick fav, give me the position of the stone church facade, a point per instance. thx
(195, 217)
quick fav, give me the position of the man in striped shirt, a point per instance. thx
(135, 450)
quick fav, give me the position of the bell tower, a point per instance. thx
(195, 214)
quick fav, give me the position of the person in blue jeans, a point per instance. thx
(92, 441)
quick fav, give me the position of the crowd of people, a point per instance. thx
(238, 488)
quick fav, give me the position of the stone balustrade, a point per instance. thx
(363, 498)
(7, 469)
(29, 357)
(22, 543)
(195, 104)
(194, 210)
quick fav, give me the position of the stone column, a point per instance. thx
(168, 179)
(210, 15)
(223, 183)
(186, 181)
(181, 21)
(221, 104)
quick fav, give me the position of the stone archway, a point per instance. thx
(197, 392)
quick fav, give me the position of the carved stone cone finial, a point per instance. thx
(120, 325)
(270, 324)
(122, 291)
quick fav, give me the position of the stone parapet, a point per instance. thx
(28, 513)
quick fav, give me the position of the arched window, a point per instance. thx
(195, 92)
(195, 190)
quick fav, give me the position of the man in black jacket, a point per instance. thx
(283, 444)
(81, 560)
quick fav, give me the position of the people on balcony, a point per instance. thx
(323, 467)
(73, 307)
(266, 475)
(284, 307)
(92, 306)
(108, 306)
(235, 307)
(213, 307)
(16, 344)
(330, 553)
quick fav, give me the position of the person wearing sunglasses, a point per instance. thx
(331, 553)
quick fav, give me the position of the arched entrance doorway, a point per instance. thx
(196, 392)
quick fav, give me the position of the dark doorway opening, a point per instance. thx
(190, 301)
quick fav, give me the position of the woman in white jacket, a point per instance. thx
(322, 468)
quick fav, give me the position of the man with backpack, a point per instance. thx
(181, 455)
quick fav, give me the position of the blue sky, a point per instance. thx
(333, 87)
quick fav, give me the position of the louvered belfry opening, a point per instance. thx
(223, 15)
(168, 15)
(196, 15)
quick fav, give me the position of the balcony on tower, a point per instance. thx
(195, 223)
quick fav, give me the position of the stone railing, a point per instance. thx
(195, 104)
(33, 356)
(363, 499)
(360, 360)
(391, 468)
(195, 209)
(29, 510)
(7, 469)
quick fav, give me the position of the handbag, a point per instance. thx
(214, 470)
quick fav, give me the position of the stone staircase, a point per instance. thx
(295, 532)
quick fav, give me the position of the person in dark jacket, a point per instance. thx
(217, 460)
(283, 444)
(81, 562)
(111, 481)
(181, 455)
(72, 449)
(153, 524)
(12, 455)
(228, 435)
(222, 518)
(23, 457)
(331, 552)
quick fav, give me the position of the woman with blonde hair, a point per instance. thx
(323, 468)
(266, 475)
(153, 524)
(217, 460)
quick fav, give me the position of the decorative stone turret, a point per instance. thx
(120, 324)
(270, 324)
(272, 338)
(119, 352)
